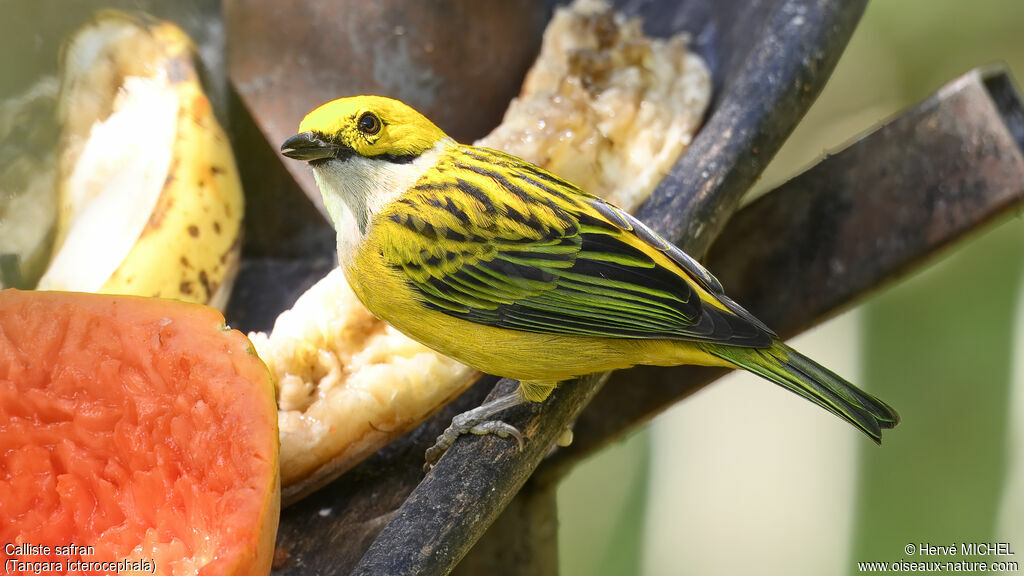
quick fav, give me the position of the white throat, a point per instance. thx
(357, 189)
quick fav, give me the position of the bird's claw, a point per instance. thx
(499, 429)
(466, 424)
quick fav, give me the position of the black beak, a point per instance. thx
(308, 146)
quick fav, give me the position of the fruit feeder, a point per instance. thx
(793, 257)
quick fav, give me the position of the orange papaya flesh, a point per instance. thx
(135, 429)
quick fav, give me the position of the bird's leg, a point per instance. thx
(477, 421)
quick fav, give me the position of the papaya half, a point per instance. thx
(133, 430)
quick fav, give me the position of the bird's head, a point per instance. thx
(367, 126)
(365, 151)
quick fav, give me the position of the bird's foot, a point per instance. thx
(476, 421)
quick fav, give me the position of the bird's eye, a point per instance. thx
(368, 123)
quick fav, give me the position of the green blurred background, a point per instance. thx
(743, 478)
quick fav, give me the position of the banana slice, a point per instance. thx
(347, 384)
(150, 198)
(605, 106)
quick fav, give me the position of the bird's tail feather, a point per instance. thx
(798, 373)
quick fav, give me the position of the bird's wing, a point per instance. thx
(492, 240)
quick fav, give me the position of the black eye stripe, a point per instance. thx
(368, 123)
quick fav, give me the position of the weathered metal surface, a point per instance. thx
(778, 67)
(522, 540)
(847, 226)
(763, 92)
(458, 61)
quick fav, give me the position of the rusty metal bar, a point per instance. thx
(522, 540)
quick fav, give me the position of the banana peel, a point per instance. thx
(150, 198)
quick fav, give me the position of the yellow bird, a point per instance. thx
(506, 267)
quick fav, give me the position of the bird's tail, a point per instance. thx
(798, 373)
